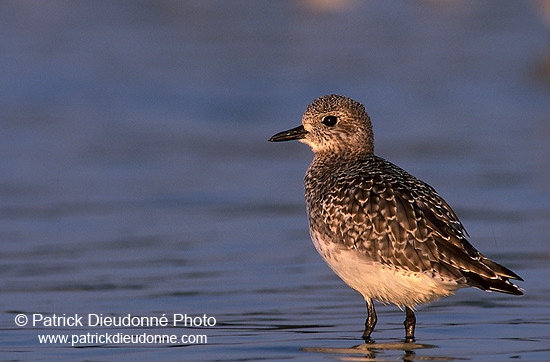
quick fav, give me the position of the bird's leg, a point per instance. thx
(371, 320)
(409, 323)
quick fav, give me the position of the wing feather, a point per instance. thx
(397, 220)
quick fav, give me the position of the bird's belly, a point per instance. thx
(383, 283)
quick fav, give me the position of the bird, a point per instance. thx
(387, 234)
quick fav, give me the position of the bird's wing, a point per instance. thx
(403, 222)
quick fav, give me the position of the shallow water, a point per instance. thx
(138, 180)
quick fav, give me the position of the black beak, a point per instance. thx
(292, 134)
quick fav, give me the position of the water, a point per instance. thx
(137, 176)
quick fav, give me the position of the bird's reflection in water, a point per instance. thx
(373, 351)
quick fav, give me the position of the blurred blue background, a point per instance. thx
(137, 177)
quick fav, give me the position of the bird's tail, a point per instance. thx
(498, 283)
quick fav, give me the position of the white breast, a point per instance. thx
(383, 283)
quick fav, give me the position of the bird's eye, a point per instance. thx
(329, 121)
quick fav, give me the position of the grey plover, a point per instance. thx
(384, 232)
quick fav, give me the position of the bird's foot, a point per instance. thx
(367, 339)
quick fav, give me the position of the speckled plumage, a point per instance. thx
(386, 233)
